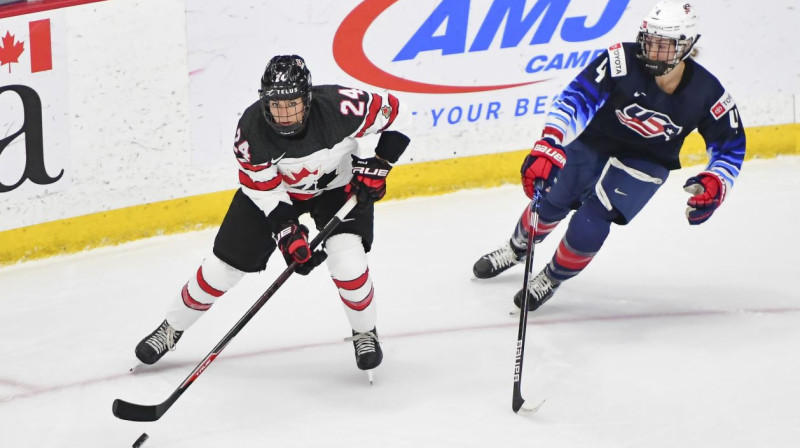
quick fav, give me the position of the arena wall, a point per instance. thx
(117, 116)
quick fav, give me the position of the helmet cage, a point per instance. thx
(680, 48)
(286, 78)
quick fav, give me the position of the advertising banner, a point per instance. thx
(480, 71)
(34, 105)
(478, 75)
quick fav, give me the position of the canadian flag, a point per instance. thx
(39, 46)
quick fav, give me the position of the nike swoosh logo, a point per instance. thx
(274, 161)
(638, 94)
(616, 190)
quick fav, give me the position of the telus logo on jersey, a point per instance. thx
(457, 28)
(648, 123)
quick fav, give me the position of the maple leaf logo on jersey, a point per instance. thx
(295, 178)
(648, 123)
(386, 111)
(10, 51)
(326, 179)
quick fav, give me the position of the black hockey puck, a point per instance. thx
(140, 440)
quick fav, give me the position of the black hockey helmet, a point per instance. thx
(286, 78)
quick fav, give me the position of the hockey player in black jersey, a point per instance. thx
(297, 154)
(610, 140)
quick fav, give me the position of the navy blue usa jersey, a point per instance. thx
(616, 108)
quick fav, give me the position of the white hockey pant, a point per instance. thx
(347, 263)
(214, 278)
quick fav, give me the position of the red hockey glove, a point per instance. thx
(292, 239)
(708, 192)
(369, 179)
(544, 162)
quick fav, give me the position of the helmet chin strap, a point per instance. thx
(661, 68)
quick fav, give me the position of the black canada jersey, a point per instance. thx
(616, 108)
(276, 169)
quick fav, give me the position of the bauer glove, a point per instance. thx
(544, 162)
(292, 240)
(708, 191)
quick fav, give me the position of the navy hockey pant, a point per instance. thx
(602, 190)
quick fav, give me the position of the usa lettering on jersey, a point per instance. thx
(648, 123)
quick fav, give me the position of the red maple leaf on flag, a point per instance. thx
(10, 51)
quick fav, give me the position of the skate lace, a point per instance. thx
(365, 342)
(541, 285)
(502, 257)
(163, 339)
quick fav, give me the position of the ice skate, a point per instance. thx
(157, 343)
(498, 261)
(542, 288)
(367, 348)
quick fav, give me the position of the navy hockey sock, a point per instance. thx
(587, 231)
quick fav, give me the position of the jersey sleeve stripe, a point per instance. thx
(271, 184)
(553, 132)
(395, 105)
(374, 108)
(255, 168)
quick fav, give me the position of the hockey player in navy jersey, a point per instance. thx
(297, 154)
(610, 140)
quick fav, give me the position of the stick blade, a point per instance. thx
(135, 412)
(530, 409)
(516, 403)
(522, 408)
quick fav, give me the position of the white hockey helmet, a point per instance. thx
(671, 20)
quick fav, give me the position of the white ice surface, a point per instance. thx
(674, 336)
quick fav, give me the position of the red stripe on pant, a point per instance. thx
(208, 289)
(189, 301)
(352, 285)
(569, 259)
(360, 306)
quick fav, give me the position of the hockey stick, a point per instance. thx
(518, 402)
(150, 413)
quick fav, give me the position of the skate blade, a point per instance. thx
(370, 377)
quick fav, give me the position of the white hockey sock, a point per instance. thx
(214, 277)
(347, 263)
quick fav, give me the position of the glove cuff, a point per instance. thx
(287, 229)
(553, 134)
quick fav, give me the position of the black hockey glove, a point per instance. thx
(369, 179)
(292, 240)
